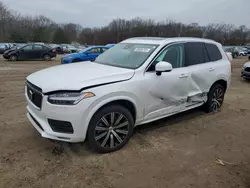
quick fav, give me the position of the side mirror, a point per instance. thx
(163, 66)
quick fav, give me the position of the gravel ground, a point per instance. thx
(191, 149)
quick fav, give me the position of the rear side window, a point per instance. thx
(213, 52)
(37, 47)
(195, 53)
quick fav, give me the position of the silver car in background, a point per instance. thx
(245, 71)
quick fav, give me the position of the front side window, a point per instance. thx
(127, 55)
(173, 54)
(27, 48)
(95, 50)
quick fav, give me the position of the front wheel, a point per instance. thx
(13, 58)
(110, 129)
(215, 98)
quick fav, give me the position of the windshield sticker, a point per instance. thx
(146, 50)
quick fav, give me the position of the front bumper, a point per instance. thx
(6, 56)
(76, 115)
(245, 74)
(65, 61)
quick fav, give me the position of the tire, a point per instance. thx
(46, 57)
(105, 136)
(215, 98)
(13, 58)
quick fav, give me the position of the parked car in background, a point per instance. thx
(241, 51)
(245, 71)
(58, 48)
(69, 48)
(3, 47)
(87, 54)
(30, 51)
(247, 49)
(231, 50)
(138, 81)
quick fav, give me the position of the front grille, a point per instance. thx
(38, 124)
(247, 69)
(61, 126)
(35, 94)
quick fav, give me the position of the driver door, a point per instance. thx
(168, 92)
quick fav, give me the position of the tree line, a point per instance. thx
(15, 27)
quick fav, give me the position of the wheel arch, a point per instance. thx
(222, 82)
(124, 101)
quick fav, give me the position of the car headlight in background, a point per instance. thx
(68, 98)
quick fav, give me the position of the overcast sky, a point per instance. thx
(91, 13)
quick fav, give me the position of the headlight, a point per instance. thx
(68, 98)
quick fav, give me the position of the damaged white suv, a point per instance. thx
(137, 81)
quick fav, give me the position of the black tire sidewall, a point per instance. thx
(97, 116)
(208, 104)
(15, 59)
(46, 55)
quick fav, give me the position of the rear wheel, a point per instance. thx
(13, 58)
(46, 57)
(110, 129)
(215, 98)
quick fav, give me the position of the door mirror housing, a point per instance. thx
(163, 66)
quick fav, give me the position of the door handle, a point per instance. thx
(211, 69)
(183, 76)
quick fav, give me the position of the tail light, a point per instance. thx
(230, 60)
(53, 50)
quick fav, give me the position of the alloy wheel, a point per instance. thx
(46, 57)
(111, 130)
(217, 99)
(13, 58)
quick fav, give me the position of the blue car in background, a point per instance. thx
(87, 54)
(110, 45)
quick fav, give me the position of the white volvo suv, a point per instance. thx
(137, 81)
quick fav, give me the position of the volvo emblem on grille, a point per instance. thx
(31, 94)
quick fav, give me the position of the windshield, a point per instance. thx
(85, 49)
(126, 55)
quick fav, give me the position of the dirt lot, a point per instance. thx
(176, 152)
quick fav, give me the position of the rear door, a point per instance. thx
(202, 72)
(37, 51)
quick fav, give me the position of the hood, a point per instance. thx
(10, 50)
(77, 76)
(72, 55)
